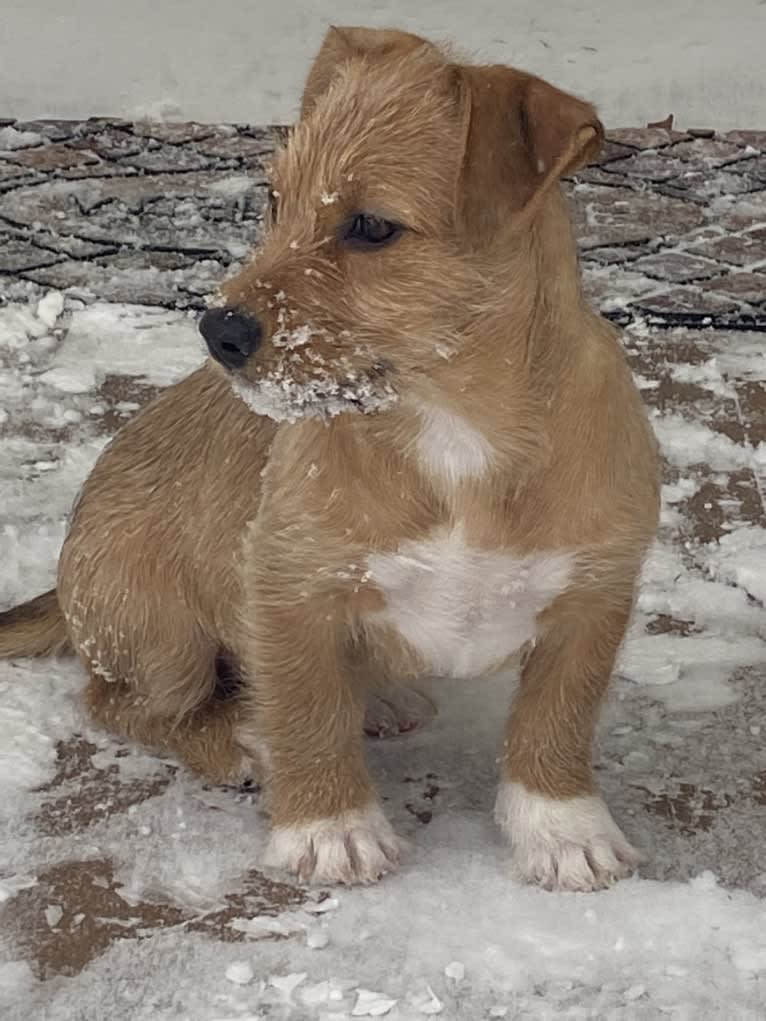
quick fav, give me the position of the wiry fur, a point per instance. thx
(219, 578)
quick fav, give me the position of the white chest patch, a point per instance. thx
(449, 448)
(465, 610)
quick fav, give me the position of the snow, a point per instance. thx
(685, 443)
(49, 308)
(11, 138)
(707, 375)
(689, 672)
(740, 559)
(317, 940)
(100, 342)
(455, 970)
(37, 706)
(451, 934)
(240, 972)
(236, 186)
(324, 392)
(701, 61)
(370, 1004)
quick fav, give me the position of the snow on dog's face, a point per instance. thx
(355, 285)
(370, 273)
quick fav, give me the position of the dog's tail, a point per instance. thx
(35, 628)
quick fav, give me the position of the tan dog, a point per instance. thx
(438, 461)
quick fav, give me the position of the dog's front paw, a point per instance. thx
(567, 844)
(397, 710)
(355, 847)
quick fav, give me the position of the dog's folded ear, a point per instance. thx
(342, 44)
(520, 136)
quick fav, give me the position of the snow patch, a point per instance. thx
(235, 187)
(50, 308)
(685, 443)
(11, 138)
(283, 398)
(131, 340)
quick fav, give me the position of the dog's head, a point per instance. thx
(402, 185)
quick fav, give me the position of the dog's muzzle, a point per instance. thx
(231, 335)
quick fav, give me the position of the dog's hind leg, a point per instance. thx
(393, 706)
(396, 708)
(185, 716)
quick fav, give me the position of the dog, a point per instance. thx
(414, 450)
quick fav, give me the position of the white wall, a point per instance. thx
(243, 60)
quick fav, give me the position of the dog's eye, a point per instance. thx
(273, 204)
(367, 230)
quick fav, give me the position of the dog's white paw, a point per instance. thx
(355, 847)
(567, 844)
(397, 710)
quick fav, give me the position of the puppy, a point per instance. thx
(416, 450)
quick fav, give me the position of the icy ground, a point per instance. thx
(130, 890)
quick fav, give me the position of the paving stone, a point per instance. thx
(174, 133)
(237, 147)
(11, 172)
(605, 175)
(273, 136)
(738, 212)
(147, 258)
(678, 346)
(617, 255)
(55, 156)
(612, 151)
(17, 255)
(645, 138)
(168, 159)
(702, 186)
(753, 170)
(749, 287)
(608, 216)
(603, 285)
(714, 152)
(149, 287)
(175, 210)
(755, 139)
(687, 300)
(650, 165)
(678, 267)
(751, 395)
(93, 125)
(15, 288)
(71, 245)
(737, 249)
(54, 130)
(110, 142)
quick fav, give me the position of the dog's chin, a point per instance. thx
(283, 399)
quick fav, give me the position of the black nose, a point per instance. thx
(231, 336)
